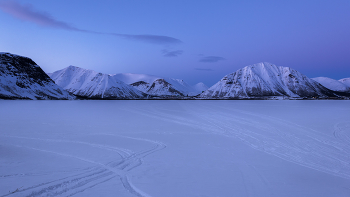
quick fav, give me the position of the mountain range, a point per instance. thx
(22, 78)
(95, 85)
(91, 84)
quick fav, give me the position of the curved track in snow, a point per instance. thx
(98, 174)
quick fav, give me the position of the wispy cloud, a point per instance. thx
(204, 69)
(176, 53)
(211, 59)
(28, 13)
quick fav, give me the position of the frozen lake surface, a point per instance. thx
(175, 148)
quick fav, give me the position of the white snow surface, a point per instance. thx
(175, 148)
(264, 79)
(333, 84)
(84, 82)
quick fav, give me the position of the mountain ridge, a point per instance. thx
(266, 79)
(332, 84)
(154, 85)
(22, 78)
(83, 82)
(91, 84)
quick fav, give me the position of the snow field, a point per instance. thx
(174, 148)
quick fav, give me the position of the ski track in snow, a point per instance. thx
(294, 143)
(342, 132)
(100, 173)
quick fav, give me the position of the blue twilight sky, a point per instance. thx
(194, 40)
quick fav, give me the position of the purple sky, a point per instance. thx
(191, 40)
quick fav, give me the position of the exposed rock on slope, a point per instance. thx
(22, 78)
(266, 79)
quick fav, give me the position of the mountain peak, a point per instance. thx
(265, 79)
(261, 64)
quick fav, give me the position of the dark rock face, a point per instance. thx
(22, 78)
(138, 83)
(24, 67)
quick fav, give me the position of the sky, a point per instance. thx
(196, 40)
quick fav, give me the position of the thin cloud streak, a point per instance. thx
(176, 53)
(27, 13)
(154, 39)
(211, 59)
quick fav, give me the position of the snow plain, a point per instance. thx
(175, 148)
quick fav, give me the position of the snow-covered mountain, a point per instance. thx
(88, 83)
(345, 81)
(333, 84)
(160, 86)
(22, 78)
(266, 79)
(91, 84)
(200, 87)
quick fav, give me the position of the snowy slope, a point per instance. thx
(332, 84)
(88, 83)
(158, 86)
(22, 78)
(345, 81)
(265, 79)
